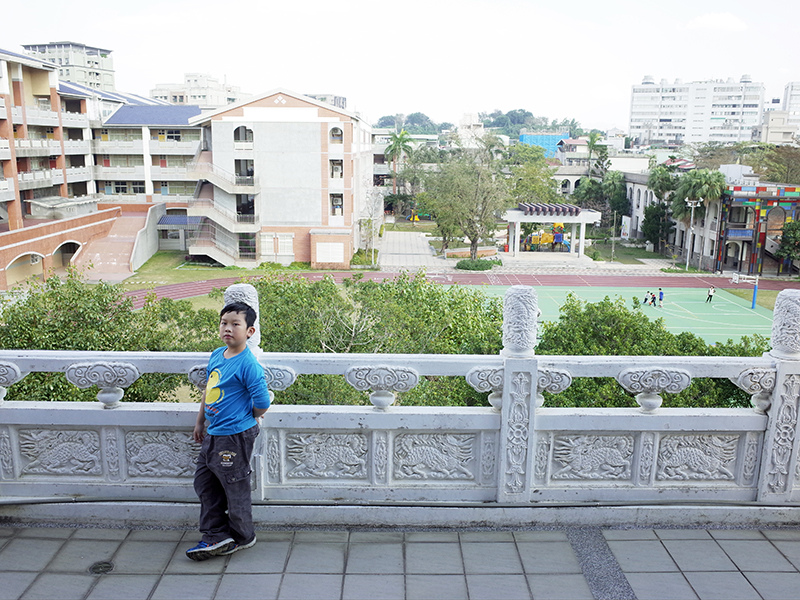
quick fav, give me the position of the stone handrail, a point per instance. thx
(518, 452)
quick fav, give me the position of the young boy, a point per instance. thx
(236, 395)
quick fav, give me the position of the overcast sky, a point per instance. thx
(575, 59)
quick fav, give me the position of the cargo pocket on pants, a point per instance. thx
(240, 475)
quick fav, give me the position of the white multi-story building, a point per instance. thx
(198, 89)
(791, 104)
(79, 63)
(700, 111)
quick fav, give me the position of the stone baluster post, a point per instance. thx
(520, 374)
(778, 479)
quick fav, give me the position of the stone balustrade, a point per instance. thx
(516, 452)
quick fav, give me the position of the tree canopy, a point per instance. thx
(695, 185)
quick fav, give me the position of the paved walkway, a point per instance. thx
(585, 563)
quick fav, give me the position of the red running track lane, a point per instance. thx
(177, 291)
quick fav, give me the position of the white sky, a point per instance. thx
(575, 59)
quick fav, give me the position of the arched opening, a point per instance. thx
(63, 255)
(23, 267)
(732, 255)
(242, 134)
(337, 137)
(565, 187)
(638, 198)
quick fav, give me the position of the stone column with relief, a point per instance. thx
(779, 479)
(520, 313)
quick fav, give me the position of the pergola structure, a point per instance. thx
(531, 212)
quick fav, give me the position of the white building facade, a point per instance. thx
(700, 111)
(79, 63)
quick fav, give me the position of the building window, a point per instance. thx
(337, 169)
(174, 135)
(120, 187)
(337, 204)
(337, 137)
(138, 187)
(242, 134)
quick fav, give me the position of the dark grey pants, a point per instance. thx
(222, 482)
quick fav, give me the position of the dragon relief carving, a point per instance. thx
(327, 455)
(159, 454)
(593, 457)
(706, 457)
(433, 456)
(61, 452)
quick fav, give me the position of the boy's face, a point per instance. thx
(233, 330)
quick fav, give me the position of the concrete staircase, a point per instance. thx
(110, 257)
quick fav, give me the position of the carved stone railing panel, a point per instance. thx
(64, 452)
(110, 377)
(315, 455)
(488, 380)
(9, 375)
(160, 454)
(279, 378)
(593, 457)
(649, 384)
(759, 383)
(383, 380)
(697, 457)
(554, 381)
(435, 456)
(515, 473)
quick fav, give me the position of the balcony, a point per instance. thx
(446, 461)
(75, 174)
(119, 173)
(72, 119)
(35, 116)
(29, 180)
(5, 149)
(30, 147)
(3, 111)
(77, 146)
(7, 190)
(118, 146)
(172, 147)
(242, 146)
(170, 174)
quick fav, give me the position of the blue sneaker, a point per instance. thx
(204, 550)
(236, 547)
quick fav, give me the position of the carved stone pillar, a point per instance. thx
(520, 374)
(778, 479)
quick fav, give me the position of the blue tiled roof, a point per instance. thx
(32, 59)
(76, 89)
(153, 115)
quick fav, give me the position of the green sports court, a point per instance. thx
(685, 309)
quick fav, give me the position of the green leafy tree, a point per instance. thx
(616, 194)
(531, 176)
(420, 123)
(601, 164)
(591, 146)
(695, 185)
(399, 146)
(656, 225)
(782, 165)
(469, 191)
(589, 194)
(790, 242)
(391, 122)
(663, 182)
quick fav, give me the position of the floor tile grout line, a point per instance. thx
(522, 565)
(459, 536)
(680, 570)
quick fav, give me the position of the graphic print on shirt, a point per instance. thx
(213, 393)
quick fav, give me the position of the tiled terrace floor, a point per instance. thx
(55, 563)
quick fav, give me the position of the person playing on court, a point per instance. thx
(711, 292)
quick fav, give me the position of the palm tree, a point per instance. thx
(399, 144)
(700, 185)
(591, 144)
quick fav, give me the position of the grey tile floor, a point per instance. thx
(61, 563)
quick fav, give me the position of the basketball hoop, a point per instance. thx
(747, 279)
(735, 278)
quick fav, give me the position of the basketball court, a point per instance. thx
(685, 309)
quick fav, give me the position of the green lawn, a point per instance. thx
(622, 254)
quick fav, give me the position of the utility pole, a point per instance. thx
(692, 204)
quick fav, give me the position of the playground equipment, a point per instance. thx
(737, 278)
(542, 237)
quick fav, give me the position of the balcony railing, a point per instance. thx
(517, 453)
(224, 179)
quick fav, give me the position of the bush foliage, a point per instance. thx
(406, 315)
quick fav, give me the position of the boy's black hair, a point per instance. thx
(240, 307)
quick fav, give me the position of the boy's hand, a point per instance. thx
(199, 432)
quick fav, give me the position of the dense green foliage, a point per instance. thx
(609, 328)
(656, 225)
(790, 241)
(699, 184)
(407, 315)
(479, 264)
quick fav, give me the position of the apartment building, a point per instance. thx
(78, 63)
(672, 114)
(198, 89)
(284, 178)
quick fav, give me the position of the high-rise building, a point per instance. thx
(791, 104)
(79, 63)
(672, 114)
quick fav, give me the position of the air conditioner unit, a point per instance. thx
(35, 259)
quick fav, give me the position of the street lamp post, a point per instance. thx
(691, 204)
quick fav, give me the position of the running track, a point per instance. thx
(178, 291)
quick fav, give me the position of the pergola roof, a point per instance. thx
(544, 209)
